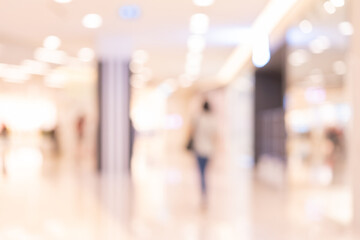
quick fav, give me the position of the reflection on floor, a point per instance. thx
(62, 198)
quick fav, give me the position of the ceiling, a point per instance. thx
(162, 29)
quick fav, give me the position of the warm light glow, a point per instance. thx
(56, 79)
(346, 28)
(50, 56)
(24, 162)
(52, 42)
(86, 54)
(92, 21)
(329, 7)
(199, 23)
(196, 43)
(203, 3)
(306, 26)
(14, 74)
(338, 3)
(34, 67)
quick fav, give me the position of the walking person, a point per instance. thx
(204, 137)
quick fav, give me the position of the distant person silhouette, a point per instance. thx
(204, 136)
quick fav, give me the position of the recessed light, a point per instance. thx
(346, 28)
(52, 42)
(92, 20)
(196, 43)
(199, 23)
(329, 7)
(338, 3)
(203, 3)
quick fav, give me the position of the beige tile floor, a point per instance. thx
(63, 198)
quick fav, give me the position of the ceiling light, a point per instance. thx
(338, 3)
(14, 74)
(128, 12)
(346, 28)
(86, 54)
(199, 23)
(192, 70)
(62, 1)
(52, 42)
(298, 57)
(339, 67)
(305, 26)
(50, 56)
(261, 49)
(92, 20)
(34, 67)
(203, 3)
(329, 7)
(194, 58)
(196, 43)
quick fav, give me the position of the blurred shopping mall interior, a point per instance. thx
(180, 119)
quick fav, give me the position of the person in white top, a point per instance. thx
(204, 136)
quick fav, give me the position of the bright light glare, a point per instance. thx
(203, 3)
(196, 43)
(86, 54)
(50, 56)
(194, 58)
(329, 7)
(192, 70)
(34, 67)
(338, 3)
(199, 23)
(14, 74)
(298, 57)
(339, 67)
(21, 114)
(306, 26)
(56, 79)
(52, 42)
(92, 20)
(62, 1)
(261, 49)
(346, 28)
(24, 162)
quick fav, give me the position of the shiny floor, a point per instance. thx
(63, 198)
